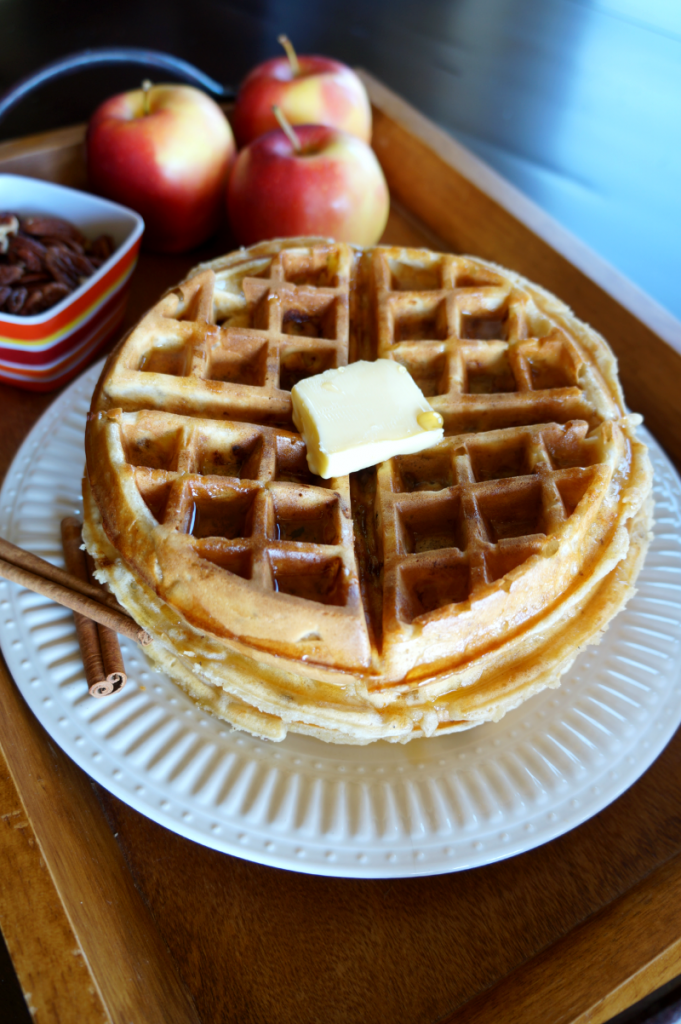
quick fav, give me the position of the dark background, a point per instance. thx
(577, 102)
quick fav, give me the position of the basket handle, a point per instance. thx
(112, 55)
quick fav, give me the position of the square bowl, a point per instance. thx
(43, 351)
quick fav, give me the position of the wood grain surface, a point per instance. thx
(38, 933)
(567, 933)
(622, 949)
(474, 211)
(132, 974)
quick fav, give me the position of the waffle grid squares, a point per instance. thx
(464, 335)
(221, 466)
(446, 515)
(295, 324)
(420, 596)
(247, 498)
(470, 339)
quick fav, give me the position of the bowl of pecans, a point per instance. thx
(66, 258)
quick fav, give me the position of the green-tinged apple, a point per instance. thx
(309, 90)
(165, 151)
(312, 181)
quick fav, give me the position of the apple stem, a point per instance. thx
(290, 53)
(146, 89)
(286, 128)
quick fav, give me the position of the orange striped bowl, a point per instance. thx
(44, 351)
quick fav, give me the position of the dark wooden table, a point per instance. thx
(574, 931)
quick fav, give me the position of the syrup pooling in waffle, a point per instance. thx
(518, 399)
(458, 520)
(402, 575)
(245, 496)
(199, 406)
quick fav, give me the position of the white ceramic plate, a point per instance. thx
(381, 811)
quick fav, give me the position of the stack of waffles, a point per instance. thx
(422, 596)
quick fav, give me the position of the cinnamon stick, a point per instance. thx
(86, 629)
(112, 659)
(33, 563)
(98, 643)
(76, 602)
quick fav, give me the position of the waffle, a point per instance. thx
(424, 595)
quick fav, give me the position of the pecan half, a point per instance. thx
(27, 251)
(54, 293)
(82, 264)
(66, 243)
(9, 273)
(33, 303)
(16, 300)
(32, 279)
(60, 266)
(51, 226)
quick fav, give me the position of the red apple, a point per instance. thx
(309, 90)
(165, 151)
(332, 186)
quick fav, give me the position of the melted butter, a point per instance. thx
(429, 420)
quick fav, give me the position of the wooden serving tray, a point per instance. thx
(109, 917)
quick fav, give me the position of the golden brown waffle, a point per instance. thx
(387, 601)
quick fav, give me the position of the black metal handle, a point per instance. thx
(112, 55)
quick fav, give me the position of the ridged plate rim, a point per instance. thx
(429, 807)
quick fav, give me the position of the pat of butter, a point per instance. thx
(360, 415)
